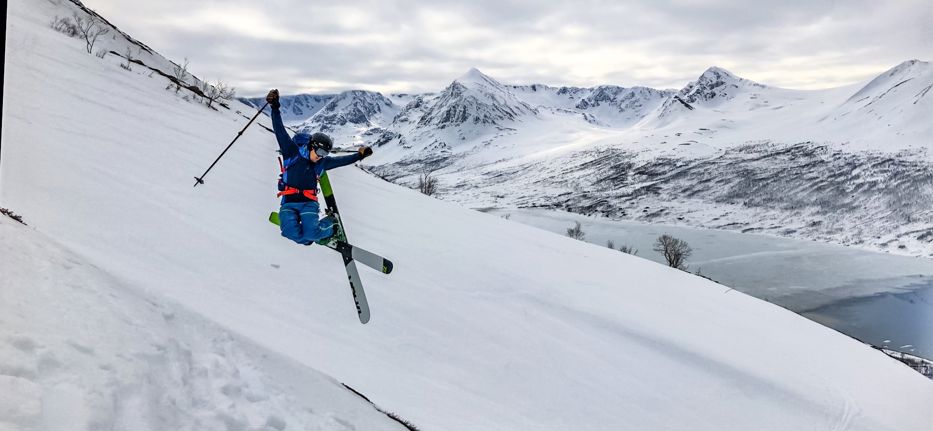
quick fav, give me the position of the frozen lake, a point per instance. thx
(879, 298)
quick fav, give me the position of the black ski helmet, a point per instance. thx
(321, 140)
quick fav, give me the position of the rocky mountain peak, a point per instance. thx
(475, 98)
(715, 83)
(358, 107)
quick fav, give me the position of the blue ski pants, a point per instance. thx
(300, 223)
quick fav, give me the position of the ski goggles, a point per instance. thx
(321, 152)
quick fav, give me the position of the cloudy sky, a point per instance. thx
(412, 46)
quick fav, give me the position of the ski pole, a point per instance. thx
(200, 180)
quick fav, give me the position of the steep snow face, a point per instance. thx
(353, 117)
(893, 78)
(547, 96)
(714, 87)
(118, 41)
(82, 350)
(356, 108)
(604, 105)
(295, 109)
(619, 106)
(475, 99)
(550, 97)
(473, 110)
(899, 100)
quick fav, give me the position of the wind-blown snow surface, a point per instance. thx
(484, 324)
(80, 349)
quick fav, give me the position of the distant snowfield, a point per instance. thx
(484, 324)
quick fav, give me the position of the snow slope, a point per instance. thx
(484, 324)
(80, 349)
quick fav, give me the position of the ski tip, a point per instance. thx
(386, 266)
(364, 318)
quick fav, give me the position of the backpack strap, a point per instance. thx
(285, 190)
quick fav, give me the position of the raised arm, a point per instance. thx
(338, 161)
(286, 144)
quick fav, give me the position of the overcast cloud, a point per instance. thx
(411, 46)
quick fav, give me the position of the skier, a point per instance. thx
(304, 160)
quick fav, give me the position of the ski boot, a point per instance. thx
(338, 234)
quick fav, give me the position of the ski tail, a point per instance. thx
(369, 259)
(356, 287)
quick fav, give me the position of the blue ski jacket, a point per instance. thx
(300, 171)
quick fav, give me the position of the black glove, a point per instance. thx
(273, 98)
(365, 152)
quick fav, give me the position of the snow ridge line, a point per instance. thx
(390, 415)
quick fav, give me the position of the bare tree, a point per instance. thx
(211, 93)
(628, 249)
(90, 29)
(427, 183)
(226, 92)
(219, 90)
(611, 244)
(180, 73)
(576, 232)
(675, 251)
(129, 57)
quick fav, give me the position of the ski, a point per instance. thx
(348, 252)
(358, 254)
(353, 276)
(367, 258)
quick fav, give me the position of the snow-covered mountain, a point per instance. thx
(134, 301)
(853, 153)
(472, 109)
(351, 115)
(487, 142)
(295, 109)
(608, 105)
(359, 108)
(715, 86)
(476, 100)
(898, 102)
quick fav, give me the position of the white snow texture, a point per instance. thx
(135, 301)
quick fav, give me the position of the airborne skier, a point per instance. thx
(305, 159)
